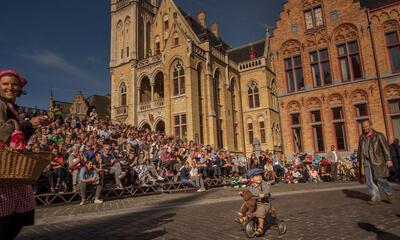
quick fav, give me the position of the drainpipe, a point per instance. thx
(378, 75)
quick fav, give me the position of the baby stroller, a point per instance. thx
(250, 223)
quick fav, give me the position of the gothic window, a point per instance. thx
(296, 132)
(339, 128)
(250, 131)
(320, 68)
(314, 18)
(179, 78)
(254, 96)
(294, 73)
(361, 115)
(316, 123)
(261, 124)
(350, 61)
(393, 46)
(180, 126)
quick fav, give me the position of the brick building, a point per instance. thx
(337, 63)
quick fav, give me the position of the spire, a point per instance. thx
(267, 37)
(51, 106)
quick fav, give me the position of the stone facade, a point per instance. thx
(324, 107)
(170, 73)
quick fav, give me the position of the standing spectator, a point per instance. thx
(75, 164)
(374, 161)
(395, 156)
(333, 157)
(89, 178)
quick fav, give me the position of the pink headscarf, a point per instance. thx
(22, 81)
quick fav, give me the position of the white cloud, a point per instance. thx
(52, 60)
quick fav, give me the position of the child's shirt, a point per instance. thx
(256, 190)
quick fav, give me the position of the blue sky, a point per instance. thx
(64, 45)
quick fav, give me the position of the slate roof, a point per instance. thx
(204, 34)
(241, 53)
(372, 4)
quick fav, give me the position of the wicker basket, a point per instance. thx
(22, 168)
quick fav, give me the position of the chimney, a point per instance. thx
(214, 29)
(201, 17)
(154, 3)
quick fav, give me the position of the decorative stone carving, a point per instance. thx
(313, 103)
(294, 106)
(359, 96)
(390, 25)
(335, 99)
(291, 47)
(392, 90)
(345, 32)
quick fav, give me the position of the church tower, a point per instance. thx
(131, 26)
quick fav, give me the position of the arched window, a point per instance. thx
(253, 94)
(122, 94)
(178, 78)
(120, 38)
(176, 39)
(274, 96)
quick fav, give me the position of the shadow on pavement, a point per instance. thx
(356, 195)
(144, 225)
(380, 235)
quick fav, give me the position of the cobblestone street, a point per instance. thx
(325, 211)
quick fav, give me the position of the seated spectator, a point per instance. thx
(288, 178)
(186, 178)
(314, 176)
(88, 179)
(112, 166)
(325, 176)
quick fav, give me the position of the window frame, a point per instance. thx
(317, 124)
(295, 127)
(178, 79)
(263, 138)
(342, 121)
(314, 21)
(390, 46)
(180, 125)
(348, 55)
(250, 132)
(253, 95)
(320, 63)
(360, 118)
(292, 70)
(123, 94)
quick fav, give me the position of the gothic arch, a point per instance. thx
(345, 32)
(144, 125)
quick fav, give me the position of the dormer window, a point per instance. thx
(314, 18)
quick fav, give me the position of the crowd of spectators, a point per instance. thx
(95, 153)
